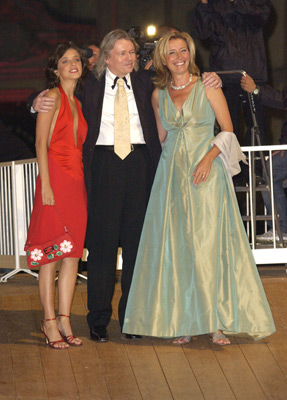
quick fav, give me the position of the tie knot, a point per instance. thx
(120, 82)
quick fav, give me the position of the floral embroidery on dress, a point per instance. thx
(66, 246)
(36, 254)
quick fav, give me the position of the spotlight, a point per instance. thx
(151, 31)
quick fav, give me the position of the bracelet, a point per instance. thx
(32, 110)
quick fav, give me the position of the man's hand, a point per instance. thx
(42, 103)
(211, 79)
(204, 1)
(248, 84)
(148, 64)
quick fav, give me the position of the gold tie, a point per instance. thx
(122, 146)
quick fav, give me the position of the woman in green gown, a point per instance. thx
(195, 273)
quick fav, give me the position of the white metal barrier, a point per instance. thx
(17, 186)
(273, 253)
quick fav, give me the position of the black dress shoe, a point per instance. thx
(99, 334)
(132, 337)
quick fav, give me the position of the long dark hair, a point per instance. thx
(51, 77)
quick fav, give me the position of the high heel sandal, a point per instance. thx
(70, 339)
(52, 344)
(219, 338)
(181, 340)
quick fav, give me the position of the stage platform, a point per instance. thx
(150, 369)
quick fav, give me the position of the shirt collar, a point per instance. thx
(110, 77)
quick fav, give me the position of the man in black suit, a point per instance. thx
(118, 189)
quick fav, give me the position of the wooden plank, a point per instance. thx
(89, 373)
(178, 372)
(27, 367)
(237, 371)
(55, 364)
(150, 382)
(267, 371)
(147, 370)
(119, 375)
(277, 344)
(86, 364)
(7, 383)
(208, 372)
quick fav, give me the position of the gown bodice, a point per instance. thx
(65, 151)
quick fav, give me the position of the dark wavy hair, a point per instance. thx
(51, 77)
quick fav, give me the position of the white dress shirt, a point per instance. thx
(106, 135)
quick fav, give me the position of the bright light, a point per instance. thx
(151, 30)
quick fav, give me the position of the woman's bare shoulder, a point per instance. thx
(53, 93)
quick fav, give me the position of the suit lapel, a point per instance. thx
(139, 96)
(99, 99)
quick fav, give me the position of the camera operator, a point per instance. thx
(235, 31)
(146, 47)
(94, 46)
(276, 99)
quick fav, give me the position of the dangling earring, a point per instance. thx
(57, 78)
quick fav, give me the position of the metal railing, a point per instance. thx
(17, 187)
(273, 252)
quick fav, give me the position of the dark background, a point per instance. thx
(29, 30)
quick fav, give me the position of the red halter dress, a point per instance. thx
(67, 182)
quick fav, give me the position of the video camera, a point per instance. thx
(87, 52)
(146, 46)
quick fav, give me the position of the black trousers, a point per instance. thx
(237, 98)
(119, 197)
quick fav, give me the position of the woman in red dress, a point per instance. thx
(60, 196)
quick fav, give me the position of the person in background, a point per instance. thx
(276, 99)
(60, 189)
(235, 31)
(95, 47)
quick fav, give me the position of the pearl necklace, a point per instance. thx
(182, 86)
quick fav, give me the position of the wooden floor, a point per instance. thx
(149, 369)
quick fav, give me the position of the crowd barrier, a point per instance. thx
(17, 186)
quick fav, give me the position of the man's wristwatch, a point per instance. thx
(256, 91)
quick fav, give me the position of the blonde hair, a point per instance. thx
(163, 75)
(107, 46)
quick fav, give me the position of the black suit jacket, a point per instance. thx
(92, 98)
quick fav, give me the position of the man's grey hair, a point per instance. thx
(107, 46)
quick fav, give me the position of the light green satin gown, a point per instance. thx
(194, 272)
